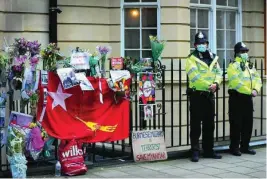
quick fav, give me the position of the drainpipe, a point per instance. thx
(53, 10)
(265, 29)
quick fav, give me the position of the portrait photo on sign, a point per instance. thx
(67, 77)
(44, 77)
(147, 87)
(148, 110)
(20, 119)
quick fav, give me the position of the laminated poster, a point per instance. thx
(67, 77)
(146, 88)
(84, 82)
(20, 119)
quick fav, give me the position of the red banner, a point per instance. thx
(74, 113)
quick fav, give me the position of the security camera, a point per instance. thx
(55, 9)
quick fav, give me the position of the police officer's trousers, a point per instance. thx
(241, 120)
(202, 109)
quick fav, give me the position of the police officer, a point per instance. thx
(244, 84)
(204, 75)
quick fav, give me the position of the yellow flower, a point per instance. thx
(32, 125)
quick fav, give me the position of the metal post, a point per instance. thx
(171, 102)
(52, 21)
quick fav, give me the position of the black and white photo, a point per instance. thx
(67, 77)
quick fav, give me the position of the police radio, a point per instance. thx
(242, 66)
(250, 64)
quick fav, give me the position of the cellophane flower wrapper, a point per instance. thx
(18, 165)
(103, 52)
(94, 67)
(17, 138)
(47, 146)
(157, 47)
(35, 143)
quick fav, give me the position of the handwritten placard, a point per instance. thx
(149, 145)
(80, 60)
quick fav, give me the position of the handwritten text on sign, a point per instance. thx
(80, 60)
(149, 145)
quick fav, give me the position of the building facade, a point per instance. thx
(126, 24)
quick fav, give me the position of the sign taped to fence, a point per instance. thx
(149, 145)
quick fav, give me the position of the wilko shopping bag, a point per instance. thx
(71, 158)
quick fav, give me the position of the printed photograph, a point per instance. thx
(2, 116)
(148, 110)
(147, 89)
(29, 82)
(44, 77)
(84, 82)
(67, 77)
(20, 119)
(45, 95)
(3, 136)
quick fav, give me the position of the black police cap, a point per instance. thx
(201, 38)
(240, 46)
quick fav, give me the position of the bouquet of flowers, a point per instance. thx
(103, 52)
(3, 60)
(50, 56)
(34, 48)
(37, 139)
(20, 46)
(15, 76)
(157, 47)
(16, 144)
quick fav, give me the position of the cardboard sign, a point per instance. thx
(80, 60)
(149, 145)
(116, 63)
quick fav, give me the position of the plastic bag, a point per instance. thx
(71, 158)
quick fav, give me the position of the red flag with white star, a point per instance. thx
(73, 113)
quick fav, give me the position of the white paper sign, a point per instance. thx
(149, 145)
(84, 82)
(80, 60)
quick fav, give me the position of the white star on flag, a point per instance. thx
(59, 97)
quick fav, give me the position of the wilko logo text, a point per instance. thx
(74, 151)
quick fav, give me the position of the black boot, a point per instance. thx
(235, 152)
(195, 156)
(212, 155)
(248, 151)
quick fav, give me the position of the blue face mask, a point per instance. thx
(244, 56)
(201, 48)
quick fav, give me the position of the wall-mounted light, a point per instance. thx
(135, 13)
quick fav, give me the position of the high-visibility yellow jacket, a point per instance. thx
(243, 81)
(200, 75)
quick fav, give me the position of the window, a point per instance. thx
(199, 22)
(140, 20)
(226, 34)
(221, 21)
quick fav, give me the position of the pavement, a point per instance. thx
(245, 166)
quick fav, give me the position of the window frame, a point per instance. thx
(123, 6)
(212, 22)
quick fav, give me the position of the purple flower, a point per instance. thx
(20, 59)
(34, 47)
(103, 50)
